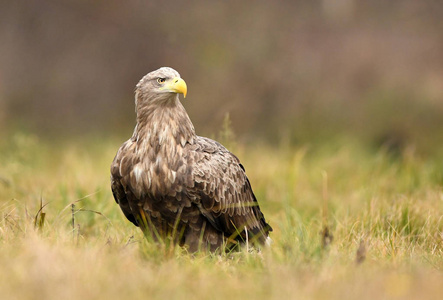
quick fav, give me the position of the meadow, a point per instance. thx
(350, 221)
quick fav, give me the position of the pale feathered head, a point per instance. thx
(159, 85)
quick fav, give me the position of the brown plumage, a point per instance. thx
(177, 185)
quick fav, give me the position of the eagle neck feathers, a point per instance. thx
(163, 123)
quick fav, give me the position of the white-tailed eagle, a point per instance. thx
(176, 185)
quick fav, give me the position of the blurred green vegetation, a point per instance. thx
(301, 71)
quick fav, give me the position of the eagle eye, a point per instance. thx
(161, 80)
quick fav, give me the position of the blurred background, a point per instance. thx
(293, 71)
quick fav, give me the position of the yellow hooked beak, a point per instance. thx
(176, 85)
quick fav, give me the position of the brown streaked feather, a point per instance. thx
(166, 179)
(222, 181)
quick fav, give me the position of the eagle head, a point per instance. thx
(162, 84)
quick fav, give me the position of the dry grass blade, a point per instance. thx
(360, 256)
(95, 212)
(39, 219)
(326, 237)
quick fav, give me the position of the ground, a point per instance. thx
(350, 221)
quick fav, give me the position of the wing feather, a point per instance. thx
(119, 168)
(225, 196)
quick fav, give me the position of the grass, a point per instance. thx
(349, 222)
